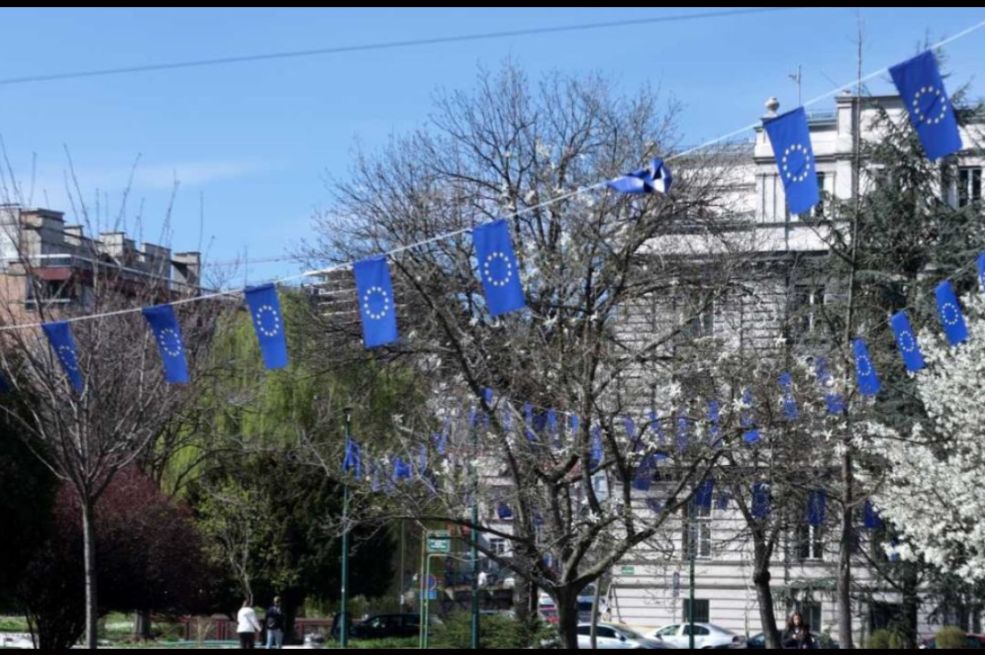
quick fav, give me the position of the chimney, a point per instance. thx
(187, 269)
(772, 106)
(73, 234)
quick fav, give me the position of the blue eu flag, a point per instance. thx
(981, 271)
(789, 403)
(377, 307)
(268, 323)
(760, 505)
(498, 269)
(751, 434)
(871, 518)
(949, 312)
(352, 460)
(791, 141)
(655, 178)
(865, 373)
(643, 479)
(906, 341)
(164, 324)
(834, 401)
(401, 469)
(922, 91)
(817, 501)
(704, 493)
(60, 337)
(597, 453)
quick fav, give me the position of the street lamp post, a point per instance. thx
(344, 628)
(474, 541)
(692, 529)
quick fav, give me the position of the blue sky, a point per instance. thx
(256, 141)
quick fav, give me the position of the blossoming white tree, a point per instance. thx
(933, 490)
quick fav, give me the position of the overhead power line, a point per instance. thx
(385, 45)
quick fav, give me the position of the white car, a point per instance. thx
(706, 635)
(612, 635)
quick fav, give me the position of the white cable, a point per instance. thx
(527, 210)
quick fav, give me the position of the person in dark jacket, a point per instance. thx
(798, 633)
(274, 623)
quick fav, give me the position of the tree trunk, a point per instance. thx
(911, 606)
(595, 612)
(89, 558)
(567, 613)
(846, 545)
(767, 617)
(141, 628)
(524, 599)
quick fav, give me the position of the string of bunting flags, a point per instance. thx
(931, 114)
(917, 80)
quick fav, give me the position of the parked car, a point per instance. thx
(614, 635)
(706, 635)
(549, 614)
(585, 599)
(383, 626)
(547, 609)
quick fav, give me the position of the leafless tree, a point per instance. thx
(86, 437)
(616, 290)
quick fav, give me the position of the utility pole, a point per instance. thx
(844, 576)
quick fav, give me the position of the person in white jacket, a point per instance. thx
(247, 626)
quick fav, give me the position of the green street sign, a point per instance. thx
(438, 541)
(629, 570)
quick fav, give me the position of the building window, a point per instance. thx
(810, 542)
(49, 292)
(697, 530)
(969, 186)
(700, 321)
(497, 545)
(702, 614)
(808, 302)
(818, 209)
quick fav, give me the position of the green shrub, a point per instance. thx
(495, 631)
(950, 636)
(883, 639)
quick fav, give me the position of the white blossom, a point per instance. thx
(934, 486)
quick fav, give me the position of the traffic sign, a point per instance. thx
(438, 541)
